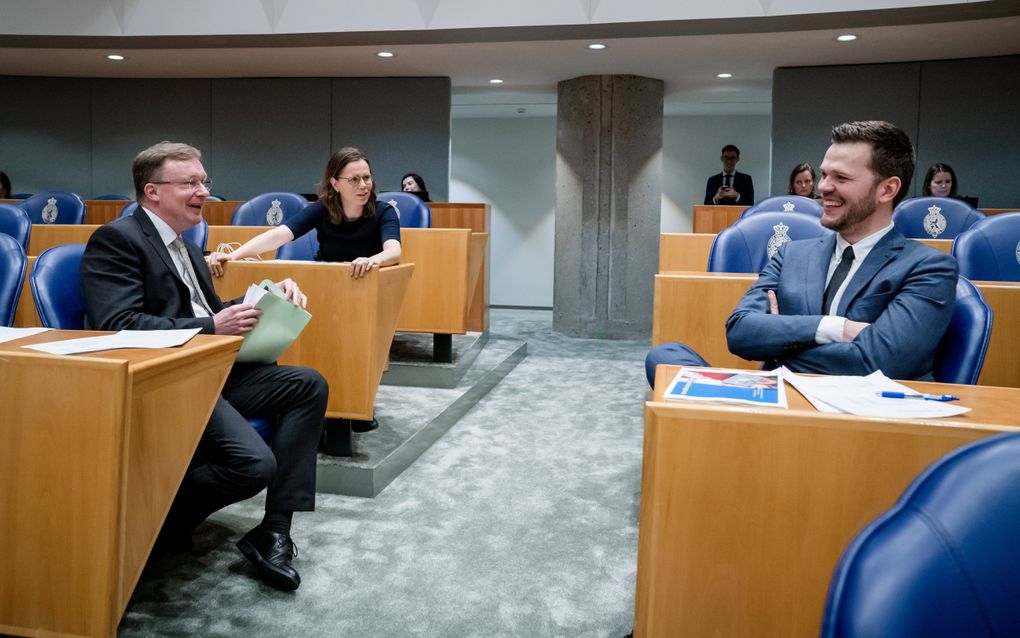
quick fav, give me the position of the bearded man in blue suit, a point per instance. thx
(862, 299)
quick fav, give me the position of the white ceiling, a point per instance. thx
(686, 54)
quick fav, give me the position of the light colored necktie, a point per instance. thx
(190, 280)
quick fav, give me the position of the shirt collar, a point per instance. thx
(863, 246)
(166, 233)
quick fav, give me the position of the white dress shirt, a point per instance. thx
(167, 235)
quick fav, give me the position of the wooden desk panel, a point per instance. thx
(448, 264)
(998, 211)
(685, 251)
(945, 245)
(1002, 361)
(477, 217)
(353, 321)
(103, 211)
(745, 511)
(712, 219)
(219, 213)
(49, 235)
(89, 476)
(25, 314)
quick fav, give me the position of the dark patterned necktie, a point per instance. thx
(838, 276)
(190, 280)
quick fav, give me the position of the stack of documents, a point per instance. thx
(280, 324)
(747, 387)
(863, 396)
(122, 339)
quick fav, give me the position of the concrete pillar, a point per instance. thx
(608, 193)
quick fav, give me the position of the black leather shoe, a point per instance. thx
(271, 553)
(361, 427)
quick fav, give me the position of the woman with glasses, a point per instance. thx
(353, 226)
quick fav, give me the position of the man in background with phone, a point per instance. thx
(730, 188)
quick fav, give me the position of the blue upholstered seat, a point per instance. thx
(56, 289)
(413, 212)
(747, 245)
(129, 209)
(111, 197)
(961, 353)
(268, 209)
(15, 222)
(935, 217)
(56, 207)
(943, 561)
(303, 248)
(785, 204)
(12, 275)
(21, 195)
(990, 249)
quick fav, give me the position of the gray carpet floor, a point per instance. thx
(520, 521)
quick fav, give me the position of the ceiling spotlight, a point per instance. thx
(385, 54)
(495, 81)
(596, 46)
(115, 56)
(724, 75)
(846, 37)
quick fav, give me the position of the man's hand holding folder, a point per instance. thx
(282, 320)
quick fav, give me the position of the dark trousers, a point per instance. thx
(671, 353)
(232, 461)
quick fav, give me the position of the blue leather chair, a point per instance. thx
(56, 289)
(943, 561)
(197, 234)
(747, 245)
(12, 275)
(14, 221)
(21, 195)
(112, 197)
(213, 198)
(961, 353)
(303, 248)
(57, 207)
(935, 217)
(785, 204)
(268, 209)
(990, 249)
(413, 212)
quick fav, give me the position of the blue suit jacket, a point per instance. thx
(742, 183)
(904, 289)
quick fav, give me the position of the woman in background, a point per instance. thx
(353, 226)
(802, 181)
(939, 181)
(413, 183)
(5, 186)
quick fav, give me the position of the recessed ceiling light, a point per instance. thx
(495, 81)
(115, 56)
(385, 54)
(846, 37)
(724, 75)
(596, 46)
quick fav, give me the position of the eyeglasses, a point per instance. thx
(193, 184)
(357, 179)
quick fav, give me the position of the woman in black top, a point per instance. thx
(353, 226)
(413, 183)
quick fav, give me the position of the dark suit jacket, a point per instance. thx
(130, 282)
(904, 289)
(742, 183)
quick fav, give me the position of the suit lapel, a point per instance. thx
(156, 242)
(204, 278)
(887, 249)
(197, 263)
(815, 272)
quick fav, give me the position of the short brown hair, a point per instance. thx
(147, 165)
(892, 154)
(329, 197)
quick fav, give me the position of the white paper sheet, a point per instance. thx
(122, 339)
(10, 334)
(862, 396)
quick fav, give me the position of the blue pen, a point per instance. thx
(926, 397)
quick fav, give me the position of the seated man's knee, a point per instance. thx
(671, 353)
(255, 474)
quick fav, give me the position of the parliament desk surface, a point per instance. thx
(746, 510)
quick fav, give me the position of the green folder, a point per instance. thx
(280, 324)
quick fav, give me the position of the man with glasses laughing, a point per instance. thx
(138, 273)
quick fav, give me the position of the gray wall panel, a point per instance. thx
(130, 115)
(808, 102)
(45, 133)
(969, 121)
(402, 124)
(269, 135)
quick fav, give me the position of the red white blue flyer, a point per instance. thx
(745, 387)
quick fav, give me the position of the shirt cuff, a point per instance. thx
(830, 330)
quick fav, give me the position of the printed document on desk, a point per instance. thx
(747, 387)
(122, 339)
(280, 324)
(862, 396)
(10, 334)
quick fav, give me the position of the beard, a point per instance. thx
(854, 212)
